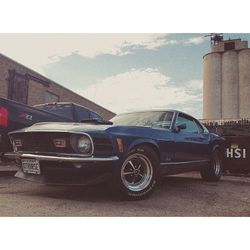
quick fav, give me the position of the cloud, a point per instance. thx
(194, 40)
(195, 85)
(37, 50)
(140, 89)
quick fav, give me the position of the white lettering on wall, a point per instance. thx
(236, 153)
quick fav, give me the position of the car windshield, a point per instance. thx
(157, 119)
(59, 109)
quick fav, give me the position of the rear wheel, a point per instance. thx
(137, 175)
(214, 170)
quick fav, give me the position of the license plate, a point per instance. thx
(31, 166)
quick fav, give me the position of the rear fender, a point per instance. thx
(216, 147)
(220, 148)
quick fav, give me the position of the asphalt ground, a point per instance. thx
(180, 195)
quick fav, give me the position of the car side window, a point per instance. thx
(191, 126)
(96, 116)
(82, 113)
(200, 128)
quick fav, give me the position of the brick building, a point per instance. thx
(22, 84)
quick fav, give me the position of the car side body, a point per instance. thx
(172, 145)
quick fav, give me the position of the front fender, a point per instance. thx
(143, 141)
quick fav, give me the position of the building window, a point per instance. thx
(18, 86)
(229, 46)
(51, 97)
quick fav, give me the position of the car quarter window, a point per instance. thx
(191, 125)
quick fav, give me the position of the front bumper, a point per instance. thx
(61, 158)
(64, 169)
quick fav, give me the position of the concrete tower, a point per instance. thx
(226, 89)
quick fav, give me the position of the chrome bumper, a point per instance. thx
(61, 158)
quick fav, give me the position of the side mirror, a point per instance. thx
(180, 127)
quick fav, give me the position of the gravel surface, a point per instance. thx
(182, 195)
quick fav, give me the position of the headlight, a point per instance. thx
(84, 145)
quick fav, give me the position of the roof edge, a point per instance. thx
(51, 81)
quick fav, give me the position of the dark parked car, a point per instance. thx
(16, 115)
(131, 155)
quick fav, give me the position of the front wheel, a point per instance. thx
(137, 175)
(214, 170)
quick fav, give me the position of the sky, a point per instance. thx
(122, 72)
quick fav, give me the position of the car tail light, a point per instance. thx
(4, 117)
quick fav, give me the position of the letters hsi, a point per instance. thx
(236, 153)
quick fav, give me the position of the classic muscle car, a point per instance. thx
(131, 155)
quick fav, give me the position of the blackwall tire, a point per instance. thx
(214, 170)
(137, 175)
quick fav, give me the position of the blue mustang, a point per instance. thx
(132, 154)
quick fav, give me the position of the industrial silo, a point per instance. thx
(230, 85)
(212, 86)
(244, 83)
(226, 81)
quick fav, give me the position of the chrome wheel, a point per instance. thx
(136, 172)
(217, 164)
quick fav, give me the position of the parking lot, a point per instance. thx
(182, 195)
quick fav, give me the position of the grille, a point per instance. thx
(43, 142)
(103, 146)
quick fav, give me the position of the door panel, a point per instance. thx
(167, 149)
(191, 147)
(192, 143)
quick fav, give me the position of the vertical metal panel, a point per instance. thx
(212, 86)
(244, 83)
(230, 86)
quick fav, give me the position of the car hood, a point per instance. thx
(62, 127)
(93, 128)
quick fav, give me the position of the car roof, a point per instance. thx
(54, 103)
(159, 110)
(155, 110)
(64, 103)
